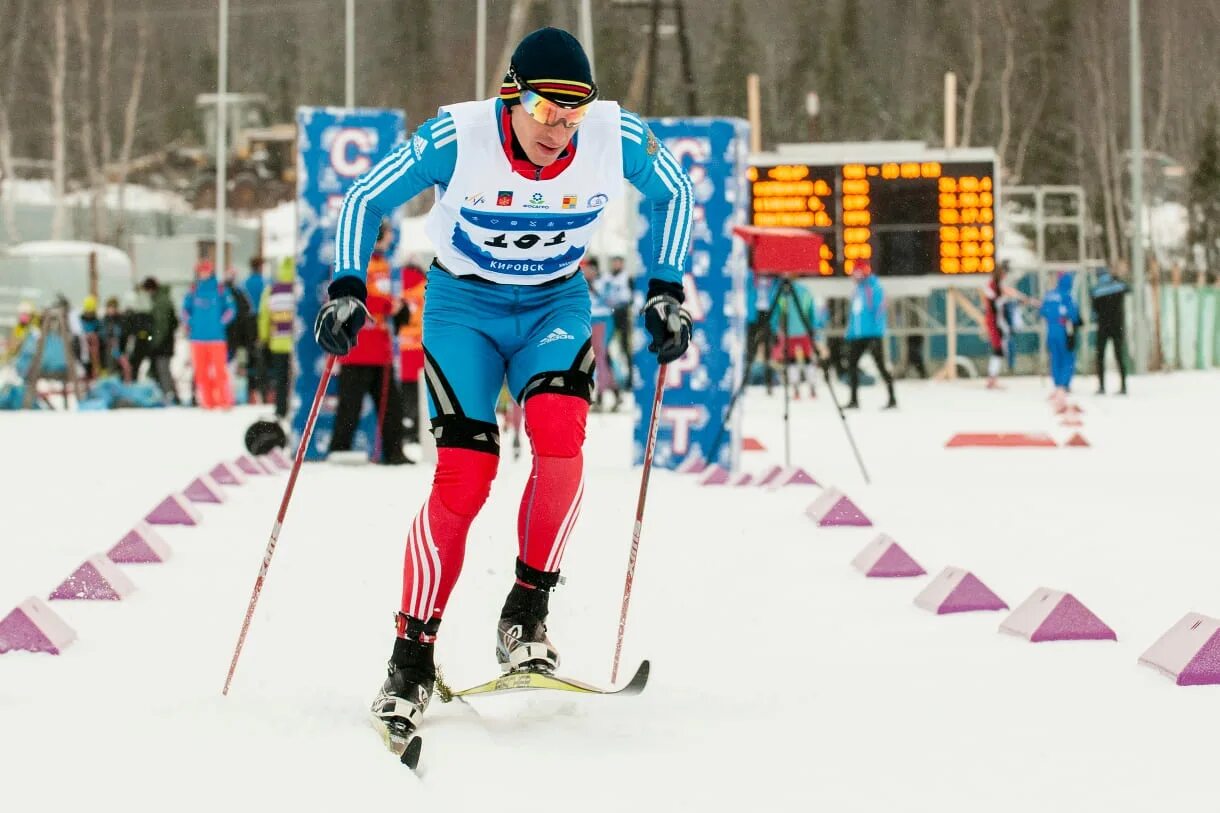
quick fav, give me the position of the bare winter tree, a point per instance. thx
(87, 124)
(57, 75)
(130, 117)
(11, 54)
(976, 72)
(1008, 30)
(1097, 125)
(516, 28)
(1033, 117)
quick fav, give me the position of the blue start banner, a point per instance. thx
(699, 385)
(335, 146)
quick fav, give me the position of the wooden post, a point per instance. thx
(754, 105)
(950, 110)
(93, 273)
(950, 369)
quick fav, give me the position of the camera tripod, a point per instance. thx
(785, 296)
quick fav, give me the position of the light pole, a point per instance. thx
(219, 258)
(349, 55)
(586, 32)
(1140, 343)
(480, 50)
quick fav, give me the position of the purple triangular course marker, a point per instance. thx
(693, 464)
(768, 476)
(714, 476)
(834, 508)
(1053, 615)
(955, 590)
(249, 465)
(267, 463)
(204, 489)
(280, 459)
(98, 579)
(885, 559)
(795, 476)
(743, 478)
(1189, 652)
(32, 626)
(141, 545)
(174, 510)
(227, 474)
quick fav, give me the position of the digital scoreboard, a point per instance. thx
(908, 218)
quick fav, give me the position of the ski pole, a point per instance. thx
(279, 518)
(639, 516)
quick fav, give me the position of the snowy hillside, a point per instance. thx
(782, 678)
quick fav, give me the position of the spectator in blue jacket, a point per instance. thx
(1062, 317)
(207, 310)
(865, 330)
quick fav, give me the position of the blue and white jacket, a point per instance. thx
(430, 156)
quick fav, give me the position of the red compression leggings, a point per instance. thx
(550, 505)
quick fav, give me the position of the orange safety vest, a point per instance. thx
(411, 334)
(373, 341)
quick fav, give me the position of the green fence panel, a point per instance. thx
(1216, 326)
(1207, 328)
(1169, 324)
(1188, 327)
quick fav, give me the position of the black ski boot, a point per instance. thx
(521, 642)
(412, 675)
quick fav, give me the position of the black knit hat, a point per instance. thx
(554, 64)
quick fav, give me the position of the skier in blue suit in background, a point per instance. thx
(1062, 316)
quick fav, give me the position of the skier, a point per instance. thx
(601, 315)
(999, 329)
(1108, 306)
(521, 180)
(1062, 317)
(865, 331)
(619, 289)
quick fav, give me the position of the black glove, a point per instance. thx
(342, 317)
(666, 321)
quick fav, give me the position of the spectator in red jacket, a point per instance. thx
(368, 368)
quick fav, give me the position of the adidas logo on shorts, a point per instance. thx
(557, 335)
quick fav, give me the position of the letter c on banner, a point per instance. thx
(349, 151)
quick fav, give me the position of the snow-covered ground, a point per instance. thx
(782, 679)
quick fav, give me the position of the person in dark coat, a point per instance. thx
(163, 318)
(1108, 305)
